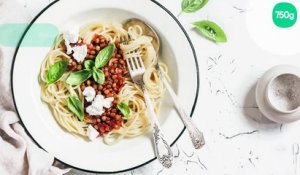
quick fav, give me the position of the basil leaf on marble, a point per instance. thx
(211, 31)
(190, 6)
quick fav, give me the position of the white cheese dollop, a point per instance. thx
(96, 108)
(69, 48)
(80, 52)
(89, 93)
(71, 36)
(92, 133)
(105, 102)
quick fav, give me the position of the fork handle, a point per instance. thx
(162, 148)
(195, 135)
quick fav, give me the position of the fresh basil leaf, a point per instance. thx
(98, 76)
(104, 56)
(76, 106)
(124, 109)
(89, 64)
(211, 31)
(76, 78)
(56, 71)
(190, 6)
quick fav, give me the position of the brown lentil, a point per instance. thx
(114, 73)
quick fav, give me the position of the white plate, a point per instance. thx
(177, 52)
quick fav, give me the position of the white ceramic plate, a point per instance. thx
(177, 52)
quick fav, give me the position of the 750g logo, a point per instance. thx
(284, 15)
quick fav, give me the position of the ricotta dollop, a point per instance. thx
(98, 105)
(79, 53)
(89, 93)
(92, 133)
(71, 37)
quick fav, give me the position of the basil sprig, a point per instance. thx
(76, 107)
(76, 78)
(190, 6)
(211, 31)
(124, 109)
(89, 64)
(98, 76)
(104, 56)
(93, 68)
(56, 71)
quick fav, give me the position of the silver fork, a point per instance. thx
(162, 148)
(195, 134)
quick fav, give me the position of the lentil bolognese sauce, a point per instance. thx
(85, 81)
(115, 73)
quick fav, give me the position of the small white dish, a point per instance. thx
(275, 107)
(283, 93)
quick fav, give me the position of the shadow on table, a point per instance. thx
(251, 110)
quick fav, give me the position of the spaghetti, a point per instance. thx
(112, 124)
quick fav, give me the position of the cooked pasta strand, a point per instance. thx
(55, 95)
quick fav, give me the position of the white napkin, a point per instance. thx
(18, 154)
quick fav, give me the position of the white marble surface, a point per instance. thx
(239, 140)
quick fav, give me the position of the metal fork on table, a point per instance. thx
(195, 134)
(162, 148)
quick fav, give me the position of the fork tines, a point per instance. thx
(135, 63)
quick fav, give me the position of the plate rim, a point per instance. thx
(86, 170)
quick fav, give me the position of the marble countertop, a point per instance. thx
(239, 140)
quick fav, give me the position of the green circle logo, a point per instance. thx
(284, 15)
